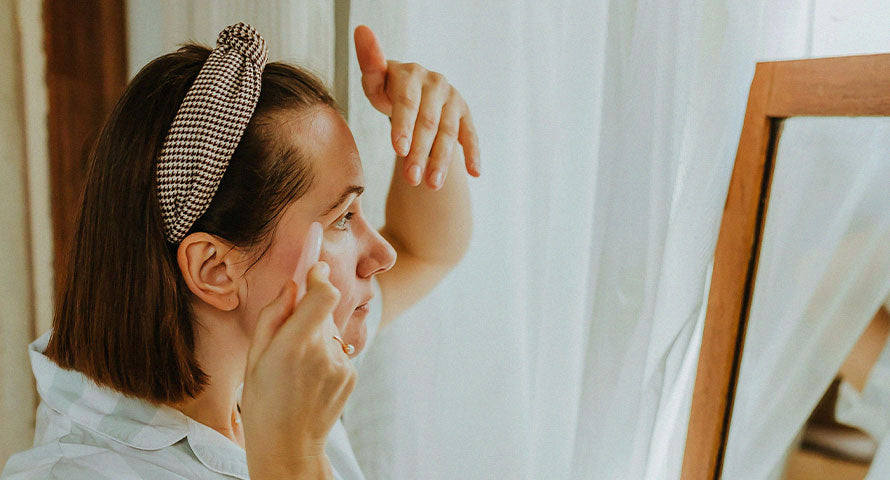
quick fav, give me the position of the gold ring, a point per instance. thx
(348, 349)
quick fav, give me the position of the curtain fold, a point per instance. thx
(565, 344)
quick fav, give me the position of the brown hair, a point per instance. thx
(123, 317)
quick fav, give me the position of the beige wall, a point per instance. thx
(16, 299)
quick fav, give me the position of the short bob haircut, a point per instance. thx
(123, 317)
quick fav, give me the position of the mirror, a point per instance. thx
(795, 331)
(812, 398)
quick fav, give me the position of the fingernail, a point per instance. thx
(403, 144)
(414, 174)
(437, 178)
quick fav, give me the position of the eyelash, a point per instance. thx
(347, 218)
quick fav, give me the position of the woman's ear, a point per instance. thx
(209, 267)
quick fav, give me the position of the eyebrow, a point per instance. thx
(343, 196)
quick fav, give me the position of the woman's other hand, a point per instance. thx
(296, 384)
(429, 116)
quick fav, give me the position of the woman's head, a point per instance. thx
(134, 304)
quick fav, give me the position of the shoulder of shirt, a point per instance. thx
(49, 462)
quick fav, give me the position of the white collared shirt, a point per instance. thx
(88, 432)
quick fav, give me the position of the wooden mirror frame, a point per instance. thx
(841, 86)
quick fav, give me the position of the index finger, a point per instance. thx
(371, 62)
(271, 318)
(312, 311)
(470, 142)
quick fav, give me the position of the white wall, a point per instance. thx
(824, 28)
(850, 27)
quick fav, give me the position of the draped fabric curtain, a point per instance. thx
(299, 32)
(565, 344)
(824, 271)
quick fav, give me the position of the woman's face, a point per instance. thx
(354, 250)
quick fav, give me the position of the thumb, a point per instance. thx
(270, 319)
(372, 64)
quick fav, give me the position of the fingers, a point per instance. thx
(470, 142)
(413, 98)
(418, 97)
(443, 148)
(315, 309)
(321, 297)
(429, 116)
(435, 93)
(404, 90)
(270, 319)
(373, 66)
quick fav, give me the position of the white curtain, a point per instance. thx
(565, 344)
(824, 271)
(300, 32)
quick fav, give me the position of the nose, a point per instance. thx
(380, 255)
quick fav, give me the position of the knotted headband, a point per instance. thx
(208, 127)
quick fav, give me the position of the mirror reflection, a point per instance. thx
(813, 394)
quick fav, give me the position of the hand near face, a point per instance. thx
(296, 382)
(429, 116)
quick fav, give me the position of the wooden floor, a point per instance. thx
(808, 465)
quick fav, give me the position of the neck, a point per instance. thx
(221, 352)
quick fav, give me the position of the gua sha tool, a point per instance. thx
(308, 257)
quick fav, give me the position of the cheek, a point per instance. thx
(265, 279)
(263, 283)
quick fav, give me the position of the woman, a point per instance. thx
(207, 177)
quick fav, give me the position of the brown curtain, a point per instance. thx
(83, 45)
(86, 72)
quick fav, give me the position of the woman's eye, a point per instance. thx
(343, 223)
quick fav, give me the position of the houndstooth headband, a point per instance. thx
(208, 126)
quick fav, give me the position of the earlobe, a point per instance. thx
(208, 270)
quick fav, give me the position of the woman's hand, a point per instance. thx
(296, 384)
(428, 115)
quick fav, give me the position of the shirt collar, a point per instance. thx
(217, 452)
(131, 421)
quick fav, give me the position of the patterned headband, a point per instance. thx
(208, 126)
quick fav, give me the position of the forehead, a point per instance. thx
(324, 137)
